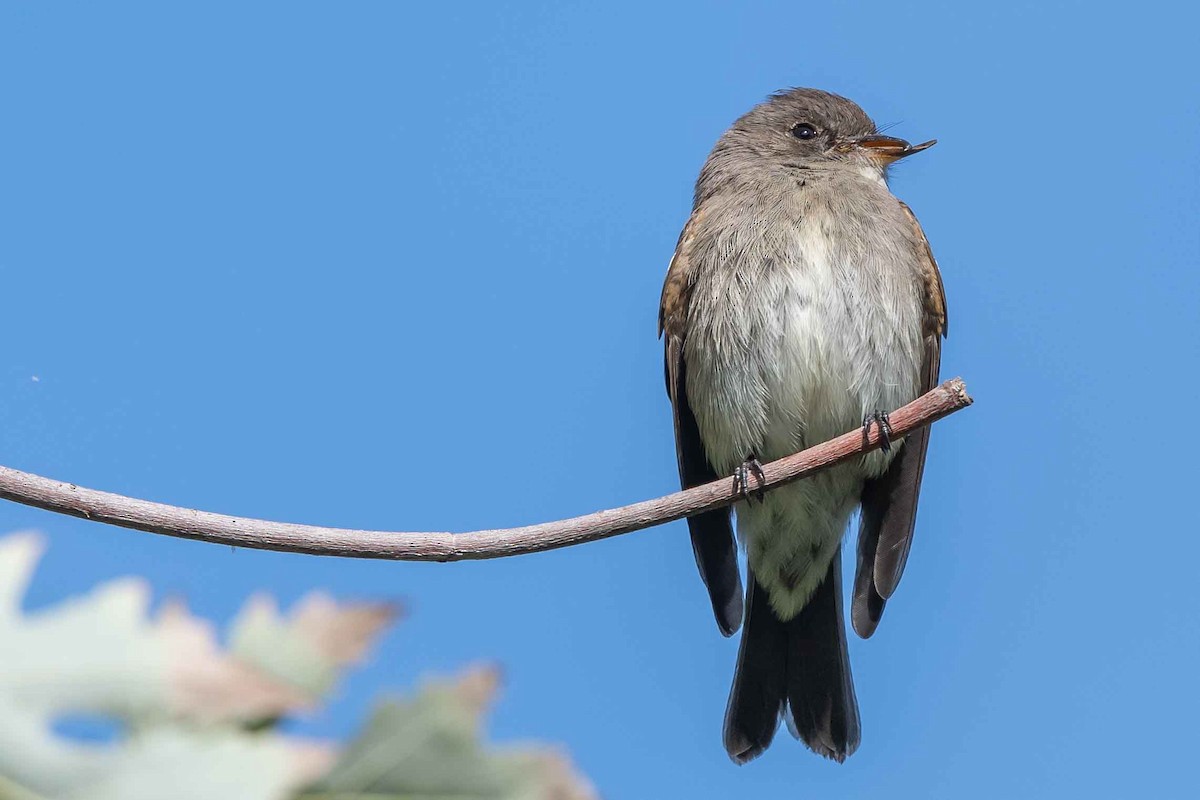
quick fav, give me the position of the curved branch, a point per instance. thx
(143, 515)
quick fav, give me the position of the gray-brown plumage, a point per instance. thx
(802, 297)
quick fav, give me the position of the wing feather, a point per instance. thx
(712, 532)
(889, 502)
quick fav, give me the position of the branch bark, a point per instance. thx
(143, 515)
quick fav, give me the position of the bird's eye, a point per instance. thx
(804, 131)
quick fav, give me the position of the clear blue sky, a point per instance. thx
(304, 261)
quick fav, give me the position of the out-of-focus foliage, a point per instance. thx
(187, 719)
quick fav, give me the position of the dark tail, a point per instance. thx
(802, 664)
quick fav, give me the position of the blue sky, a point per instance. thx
(396, 266)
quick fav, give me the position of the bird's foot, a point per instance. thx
(879, 418)
(741, 478)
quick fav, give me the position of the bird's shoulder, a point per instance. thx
(934, 294)
(677, 286)
(716, 221)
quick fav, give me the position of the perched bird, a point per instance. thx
(802, 301)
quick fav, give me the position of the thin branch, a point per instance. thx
(143, 515)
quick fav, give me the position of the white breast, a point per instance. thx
(850, 344)
(786, 352)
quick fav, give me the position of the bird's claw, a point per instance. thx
(879, 418)
(741, 478)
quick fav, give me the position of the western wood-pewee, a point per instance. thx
(802, 301)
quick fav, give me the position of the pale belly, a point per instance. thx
(786, 361)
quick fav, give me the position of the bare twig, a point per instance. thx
(129, 512)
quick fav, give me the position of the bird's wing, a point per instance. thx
(889, 502)
(712, 531)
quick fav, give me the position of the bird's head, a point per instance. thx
(809, 128)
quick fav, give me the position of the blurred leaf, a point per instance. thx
(209, 686)
(180, 699)
(428, 747)
(306, 650)
(190, 715)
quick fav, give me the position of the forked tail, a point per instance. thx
(799, 668)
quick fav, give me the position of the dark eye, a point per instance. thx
(804, 131)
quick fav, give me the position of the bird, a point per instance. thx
(803, 300)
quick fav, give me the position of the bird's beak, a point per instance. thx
(886, 149)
